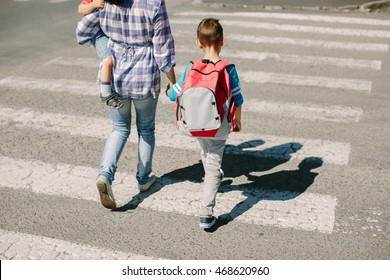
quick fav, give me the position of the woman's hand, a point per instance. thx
(168, 88)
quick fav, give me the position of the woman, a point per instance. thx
(141, 45)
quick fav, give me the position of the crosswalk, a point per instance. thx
(296, 28)
(306, 212)
(21, 246)
(286, 58)
(354, 46)
(328, 151)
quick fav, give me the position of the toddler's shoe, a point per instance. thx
(112, 100)
(106, 195)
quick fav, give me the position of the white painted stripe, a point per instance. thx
(53, 85)
(259, 77)
(306, 81)
(74, 61)
(305, 111)
(286, 148)
(296, 28)
(273, 147)
(88, 88)
(303, 211)
(295, 16)
(307, 43)
(288, 58)
(260, 56)
(21, 246)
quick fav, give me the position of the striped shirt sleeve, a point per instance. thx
(164, 49)
(235, 86)
(87, 28)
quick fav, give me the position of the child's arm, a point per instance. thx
(237, 97)
(175, 89)
(87, 8)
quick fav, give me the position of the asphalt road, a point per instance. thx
(315, 86)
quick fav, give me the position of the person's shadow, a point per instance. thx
(245, 158)
(237, 160)
(140, 197)
(282, 185)
(240, 160)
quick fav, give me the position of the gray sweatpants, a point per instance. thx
(211, 153)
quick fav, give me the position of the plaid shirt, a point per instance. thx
(140, 42)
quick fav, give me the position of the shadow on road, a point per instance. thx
(243, 160)
(278, 186)
(139, 198)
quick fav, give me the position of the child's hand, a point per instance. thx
(99, 4)
(237, 126)
(237, 119)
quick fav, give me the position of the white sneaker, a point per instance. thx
(221, 175)
(106, 195)
(207, 222)
(148, 184)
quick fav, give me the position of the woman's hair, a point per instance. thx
(116, 2)
(209, 32)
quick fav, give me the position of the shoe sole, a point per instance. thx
(104, 197)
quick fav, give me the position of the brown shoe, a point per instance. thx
(106, 196)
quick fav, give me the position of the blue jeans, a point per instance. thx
(145, 110)
(100, 42)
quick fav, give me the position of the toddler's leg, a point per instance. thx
(100, 43)
(106, 96)
(105, 76)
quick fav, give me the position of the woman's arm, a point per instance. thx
(171, 77)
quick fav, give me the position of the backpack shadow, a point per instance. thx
(278, 186)
(247, 158)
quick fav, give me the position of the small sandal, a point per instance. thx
(112, 100)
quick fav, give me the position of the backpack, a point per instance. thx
(204, 107)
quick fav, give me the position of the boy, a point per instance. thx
(99, 41)
(210, 40)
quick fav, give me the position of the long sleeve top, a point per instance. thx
(140, 42)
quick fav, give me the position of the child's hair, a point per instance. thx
(116, 2)
(210, 32)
